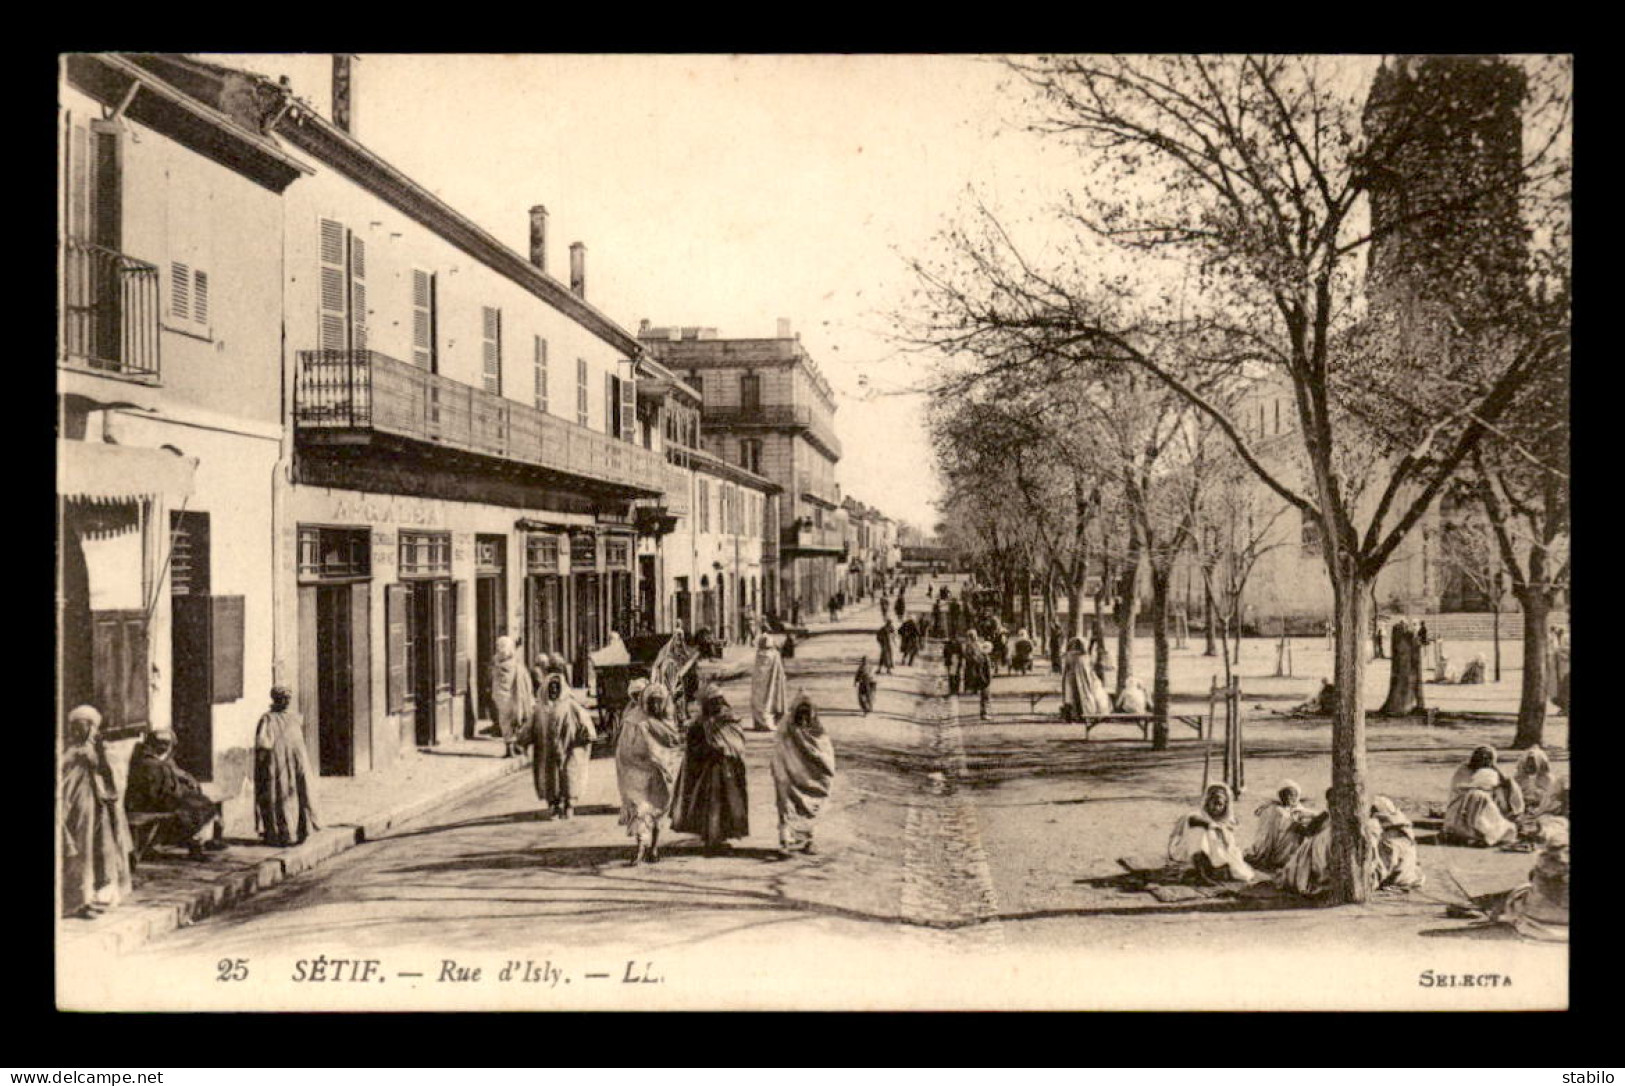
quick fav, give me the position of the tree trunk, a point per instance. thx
(1211, 647)
(1074, 610)
(1537, 683)
(1235, 630)
(1376, 627)
(1405, 675)
(1351, 859)
(1159, 641)
(1128, 605)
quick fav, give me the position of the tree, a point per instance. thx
(1264, 181)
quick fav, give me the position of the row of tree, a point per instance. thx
(1389, 248)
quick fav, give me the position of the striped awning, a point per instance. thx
(102, 472)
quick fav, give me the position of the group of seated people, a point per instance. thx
(1487, 808)
(1292, 844)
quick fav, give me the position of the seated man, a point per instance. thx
(158, 785)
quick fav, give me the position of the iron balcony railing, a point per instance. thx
(365, 390)
(110, 311)
(818, 425)
(803, 534)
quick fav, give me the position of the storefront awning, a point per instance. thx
(98, 470)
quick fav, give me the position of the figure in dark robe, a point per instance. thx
(284, 811)
(803, 771)
(864, 680)
(96, 842)
(978, 672)
(937, 628)
(887, 637)
(712, 800)
(158, 785)
(900, 608)
(908, 635)
(952, 662)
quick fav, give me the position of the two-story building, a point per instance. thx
(767, 409)
(169, 414)
(466, 458)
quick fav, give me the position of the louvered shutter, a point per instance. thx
(358, 293)
(361, 672)
(459, 674)
(395, 692)
(334, 311)
(180, 291)
(541, 374)
(612, 399)
(423, 320)
(200, 297)
(491, 362)
(629, 409)
(78, 181)
(226, 646)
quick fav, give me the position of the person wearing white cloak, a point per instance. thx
(648, 754)
(1082, 695)
(1308, 871)
(767, 686)
(803, 771)
(1133, 699)
(1206, 839)
(1398, 867)
(1278, 818)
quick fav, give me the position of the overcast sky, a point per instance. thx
(719, 191)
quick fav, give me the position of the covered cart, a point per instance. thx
(663, 658)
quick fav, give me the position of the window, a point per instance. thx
(704, 503)
(491, 347)
(425, 354)
(541, 374)
(425, 554)
(581, 392)
(327, 554)
(542, 553)
(750, 454)
(188, 298)
(342, 290)
(750, 392)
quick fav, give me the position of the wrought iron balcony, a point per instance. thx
(110, 310)
(804, 536)
(818, 427)
(371, 392)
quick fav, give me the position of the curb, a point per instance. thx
(148, 922)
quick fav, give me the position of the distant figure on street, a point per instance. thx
(1205, 839)
(562, 734)
(1081, 692)
(956, 618)
(512, 697)
(978, 669)
(1000, 648)
(900, 608)
(865, 682)
(803, 770)
(787, 650)
(908, 636)
(833, 608)
(1021, 653)
(768, 686)
(96, 842)
(942, 594)
(648, 755)
(795, 612)
(1054, 648)
(284, 811)
(887, 637)
(157, 784)
(953, 658)
(712, 800)
(937, 628)
(1473, 673)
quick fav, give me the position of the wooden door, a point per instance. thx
(336, 735)
(190, 706)
(310, 704)
(361, 674)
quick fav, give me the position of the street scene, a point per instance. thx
(1154, 595)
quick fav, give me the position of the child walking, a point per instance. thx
(866, 684)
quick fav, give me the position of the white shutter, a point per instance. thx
(333, 308)
(422, 320)
(629, 409)
(78, 181)
(200, 297)
(541, 374)
(358, 293)
(180, 291)
(492, 360)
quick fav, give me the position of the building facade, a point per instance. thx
(169, 419)
(766, 408)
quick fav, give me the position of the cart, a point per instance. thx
(651, 655)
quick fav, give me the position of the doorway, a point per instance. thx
(335, 694)
(420, 654)
(191, 702)
(490, 623)
(588, 634)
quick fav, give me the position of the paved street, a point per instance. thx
(954, 855)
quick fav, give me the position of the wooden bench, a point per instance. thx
(1143, 721)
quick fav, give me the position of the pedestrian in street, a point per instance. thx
(831, 606)
(937, 629)
(978, 670)
(512, 697)
(284, 810)
(648, 755)
(908, 636)
(956, 615)
(1000, 648)
(803, 771)
(1021, 653)
(900, 608)
(96, 843)
(712, 800)
(768, 686)
(795, 612)
(1054, 647)
(562, 734)
(887, 637)
(865, 681)
(157, 785)
(952, 663)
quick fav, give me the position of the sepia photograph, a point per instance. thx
(803, 532)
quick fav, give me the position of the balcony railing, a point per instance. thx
(805, 535)
(110, 309)
(365, 390)
(676, 486)
(779, 414)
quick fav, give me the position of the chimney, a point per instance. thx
(538, 236)
(643, 326)
(784, 327)
(578, 269)
(344, 91)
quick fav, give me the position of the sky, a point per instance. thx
(720, 191)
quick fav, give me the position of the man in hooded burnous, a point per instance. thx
(711, 796)
(95, 834)
(803, 770)
(158, 785)
(284, 812)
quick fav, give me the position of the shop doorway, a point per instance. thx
(191, 708)
(588, 629)
(490, 616)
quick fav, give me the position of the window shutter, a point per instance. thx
(541, 374)
(629, 409)
(612, 401)
(423, 320)
(492, 360)
(78, 181)
(395, 693)
(459, 675)
(581, 392)
(444, 647)
(334, 312)
(361, 672)
(358, 293)
(200, 297)
(226, 644)
(309, 682)
(180, 291)
(119, 658)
